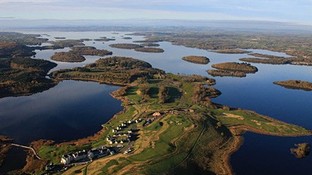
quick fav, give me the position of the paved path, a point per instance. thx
(27, 147)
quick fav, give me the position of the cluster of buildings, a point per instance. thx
(121, 134)
(83, 156)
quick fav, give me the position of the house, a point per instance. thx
(66, 159)
(97, 153)
(111, 151)
(91, 155)
(110, 140)
(69, 158)
(128, 151)
(86, 155)
(156, 114)
(80, 155)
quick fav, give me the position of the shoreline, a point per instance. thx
(227, 155)
(238, 136)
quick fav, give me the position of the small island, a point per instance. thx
(126, 46)
(104, 39)
(90, 51)
(196, 59)
(301, 150)
(233, 66)
(149, 50)
(150, 45)
(225, 73)
(231, 51)
(68, 57)
(126, 37)
(295, 84)
(60, 37)
(266, 61)
(232, 69)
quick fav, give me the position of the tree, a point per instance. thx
(163, 94)
(143, 89)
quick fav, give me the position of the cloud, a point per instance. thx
(177, 9)
(24, 1)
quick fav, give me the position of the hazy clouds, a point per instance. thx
(273, 10)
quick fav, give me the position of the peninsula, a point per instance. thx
(168, 124)
(24, 76)
(19, 74)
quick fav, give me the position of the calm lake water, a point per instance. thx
(71, 110)
(77, 109)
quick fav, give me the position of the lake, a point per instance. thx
(79, 108)
(71, 110)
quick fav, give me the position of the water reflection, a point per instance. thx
(68, 111)
(270, 156)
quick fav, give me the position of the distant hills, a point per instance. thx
(8, 24)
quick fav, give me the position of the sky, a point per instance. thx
(295, 11)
